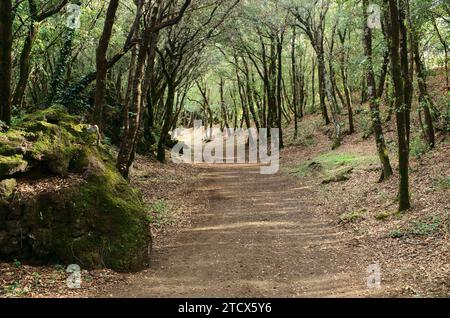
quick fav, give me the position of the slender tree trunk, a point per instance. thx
(102, 63)
(161, 156)
(35, 20)
(129, 140)
(372, 96)
(322, 87)
(313, 84)
(222, 104)
(280, 87)
(445, 45)
(250, 99)
(345, 84)
(384, 72)
(424, 98)
(401, 118)
(24, 63)
(294, 81)
(6, 20)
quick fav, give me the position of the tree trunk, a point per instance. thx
(6, 20)
(129, 140)
(294, 81)
(102, 63)
(280, 87)
(424, 98)
(401, 118)
(372, 96)
(161, 156)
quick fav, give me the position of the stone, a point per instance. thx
(7, 188)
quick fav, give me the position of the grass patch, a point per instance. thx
(330, 163)
(162, 214)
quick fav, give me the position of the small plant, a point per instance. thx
(424, 228)
(419, 147)
(17, 264)
(351, 217)
(60, 268)
(396, 234)
(36, 278)
(15, 289)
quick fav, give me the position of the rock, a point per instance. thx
(7, 188)
(339, 176)
(10, 165)
(98, 221)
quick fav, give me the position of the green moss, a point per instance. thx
(7, 150)
(56, 114)
(10, 165)
(120, 212)
(7, 188)
(101, 222)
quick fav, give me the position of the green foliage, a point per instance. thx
(418, 147)
(427, 226)
(17, 264)
(365, 123)
(16, 290)
(351, 217)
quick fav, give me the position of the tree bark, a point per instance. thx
(401, 110)
(372, 96)
(102, 63)
(6, 20)
(424, 97)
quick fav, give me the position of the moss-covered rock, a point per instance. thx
(10, 165)
(7, 188)
(96, 222)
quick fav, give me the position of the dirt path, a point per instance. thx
(256, 239)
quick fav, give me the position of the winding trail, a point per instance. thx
(258, 238)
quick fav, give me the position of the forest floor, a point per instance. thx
(311, 230)
(255, 236)
(228, 231)
(302, 232)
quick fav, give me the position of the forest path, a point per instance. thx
(256, 239)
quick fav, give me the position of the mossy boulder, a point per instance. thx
(96, 221)
(7, 188)
(10, 165)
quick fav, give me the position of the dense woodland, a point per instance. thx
(159, 64)
(134, 70)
